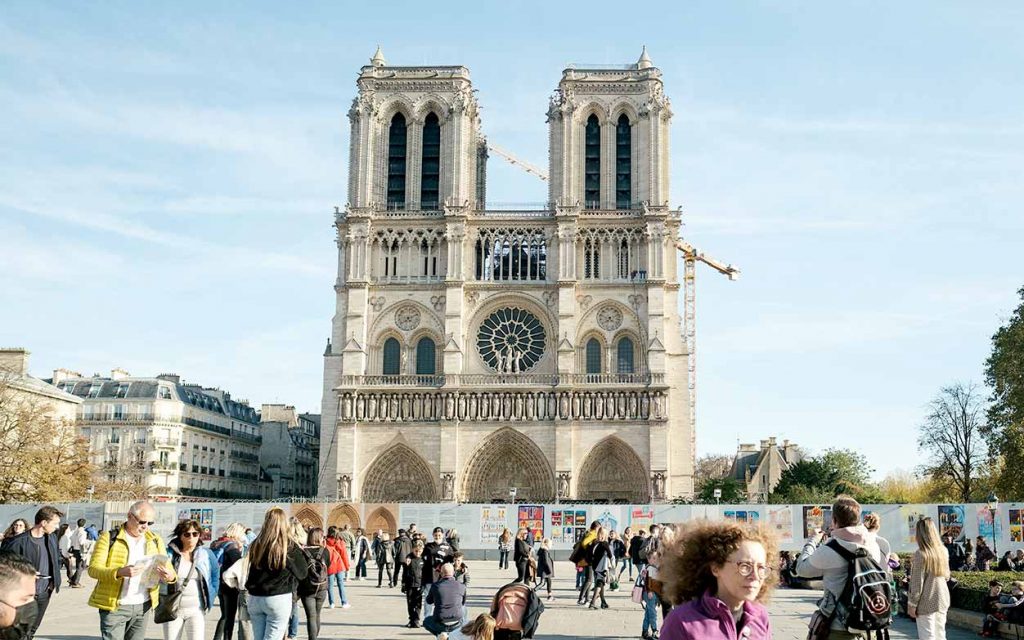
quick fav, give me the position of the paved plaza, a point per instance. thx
(380, 613)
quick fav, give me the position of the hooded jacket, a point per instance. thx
(709, 617)
(819, 561)
(207, 573)
(339, 556)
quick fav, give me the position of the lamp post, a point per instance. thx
(512, 494)
(718, 496)
(993, 507)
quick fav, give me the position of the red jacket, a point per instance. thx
(339, 556)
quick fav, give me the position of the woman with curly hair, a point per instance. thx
(719, 575)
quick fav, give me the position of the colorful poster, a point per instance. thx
(780, 520)
(531, 517)
(987, 528)
(203, 516)
(1016, 525)
(492, 523)
(641, 518)
(742, 516)
(952, 519)
(563, 524)
(609, 518)
(817, 518)
(911, 515)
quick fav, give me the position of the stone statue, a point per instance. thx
(345, 488)
(563, 485)
(658, 480)
(447, 486)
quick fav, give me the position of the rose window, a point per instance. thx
(511, 340)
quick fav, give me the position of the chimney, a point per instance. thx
(764, 445)
(14, 360)
(279, 413)
(60, 375)
(119, 374)
(771, 441)
(170, 377)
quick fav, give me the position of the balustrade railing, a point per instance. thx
(495, 379)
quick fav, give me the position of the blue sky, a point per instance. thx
(168, 173)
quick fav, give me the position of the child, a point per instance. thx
(989, 628)
(412, 583)
(650, 601)
(545, 566)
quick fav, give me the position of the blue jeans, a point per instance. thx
(650, 612)
(339, 580)
(269, 615)
(293, 621)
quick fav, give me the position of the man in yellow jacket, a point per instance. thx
(118, 566)
(581, 557)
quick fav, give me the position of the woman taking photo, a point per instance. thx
(276, 565)
(504, 548)
(928, 599)
(198, 579)
(522, 556)
(720, 575)
(230, 547)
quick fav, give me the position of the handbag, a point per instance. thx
(638, 587)
(819, 627)
(167, 607)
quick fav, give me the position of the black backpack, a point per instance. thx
(867, 598)
(316, 573)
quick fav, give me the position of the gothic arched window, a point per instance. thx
(625, 355)
(396, 162)
(593, 356)
(592, 164)
(623, 258)
(591, 259)
(426, 357)
(392, 357)
(431, 163)
(623, 164)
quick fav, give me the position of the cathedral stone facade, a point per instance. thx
(475, 350)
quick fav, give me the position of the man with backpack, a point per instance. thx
(858, 600)
(580, 556)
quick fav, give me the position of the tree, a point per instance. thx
(1004, 374)
(951, 438)
(733, 491)
(818, 479)
(713, 466)
(42, 459)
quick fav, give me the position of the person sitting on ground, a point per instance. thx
(1006, 562)
(449, 599)
(720, 576)
(482, 628)
(990, 627)
(1018, 560)
(1011, 607)
(969, 563)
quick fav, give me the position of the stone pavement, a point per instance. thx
(380, 613)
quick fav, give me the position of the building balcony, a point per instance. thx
(158, 465)
(166, 443)
(499, 379)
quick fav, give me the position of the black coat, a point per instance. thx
(634, 549)
(22, 545)
(545, 563)
(412, 577)
(599, 551)
(522, 555)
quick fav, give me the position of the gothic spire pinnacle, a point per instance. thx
(378, 58)
(645, 61)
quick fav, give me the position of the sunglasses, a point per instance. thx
(148, 523)
(190, 534)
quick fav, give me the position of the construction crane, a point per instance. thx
(691, 256)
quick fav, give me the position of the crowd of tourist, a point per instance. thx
(706, 579)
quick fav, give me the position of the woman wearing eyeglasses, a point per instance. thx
(719, 575)
(199, 579)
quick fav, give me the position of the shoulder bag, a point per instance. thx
(167, 607)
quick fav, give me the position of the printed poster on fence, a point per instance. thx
(817, 518)
(987, 528)
(492, 523)
(203, 516)
(609, 518)
(531, 518)
(1016, 525)
(742, 516)
(910, 515)
(952, 519)
(780, 520)
(563, 524)
(641, 518)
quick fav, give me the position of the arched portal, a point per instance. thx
(399, 475)
(381, 519)
(506, 459)
(309, 518)
(613, 472)
(342, 515)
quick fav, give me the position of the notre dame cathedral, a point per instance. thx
(478, 350)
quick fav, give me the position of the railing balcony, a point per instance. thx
(617, 378)
(501, 379)
(157, 465)
(166, 443)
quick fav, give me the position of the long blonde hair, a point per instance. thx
(270, 548)
(936, 558)
(297, 531)
(482, 628)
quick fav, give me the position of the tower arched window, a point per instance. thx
(391, 259)
(426, 357)
(392, 365)
(623, 163)
(397, 138)
(591, 259)
(592, 163)
(593, 356)
(623, 258)
(431, 163)
(625, 356)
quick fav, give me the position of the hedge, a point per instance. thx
(972, 586)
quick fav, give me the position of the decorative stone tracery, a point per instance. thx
(399, 475)
(507, 459)
(613, 471)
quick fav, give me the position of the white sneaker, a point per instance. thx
(330, 606)
(346, 606)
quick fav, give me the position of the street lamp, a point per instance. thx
(993, 506)
(512, 494)
(718, 496)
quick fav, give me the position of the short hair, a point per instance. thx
(458, 554)
(81, 522)
(845, 511)
(873, 522)
(417, 545)
(653, 527)
(48, 513)
(137, 507)
(595, 524)
(447, 570)
(995, 583)
(687, 559)
(439, 530)
(12, 567)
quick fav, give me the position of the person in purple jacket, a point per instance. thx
(720, 576)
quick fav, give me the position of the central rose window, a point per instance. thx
(511, 340)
